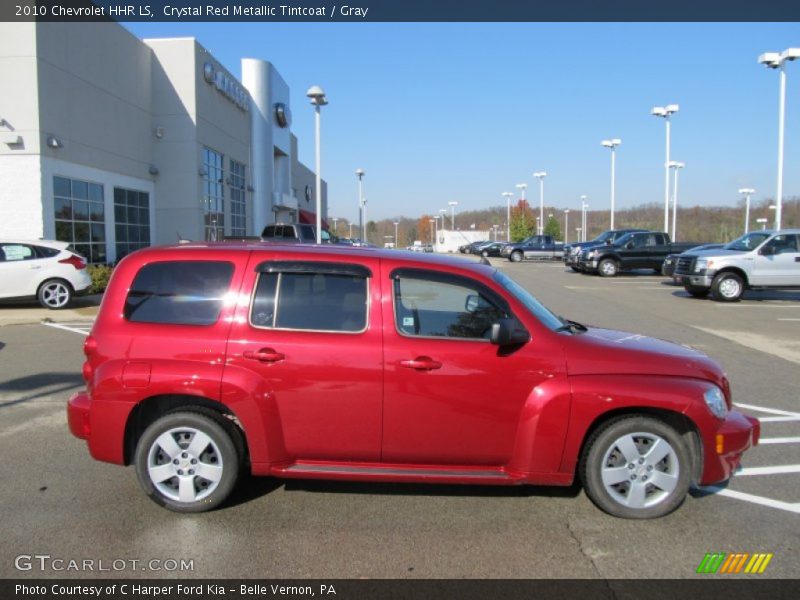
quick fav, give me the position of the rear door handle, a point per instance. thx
(264, 355)
(421, 363)
(797, 259)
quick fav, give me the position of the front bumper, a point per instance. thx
(586, 264)
(723, 447)
(703, 281)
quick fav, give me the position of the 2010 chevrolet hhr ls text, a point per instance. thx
(211, 359)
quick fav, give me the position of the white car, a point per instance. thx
(43, 269)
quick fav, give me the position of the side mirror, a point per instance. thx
(767, 251)
(609, 241)
(509, 332)
(474, 303)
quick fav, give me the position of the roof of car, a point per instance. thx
(50, 243)
(310, 250)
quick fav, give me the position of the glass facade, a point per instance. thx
(238, 199)
(131, 220)
(80, 217)
(213, 194)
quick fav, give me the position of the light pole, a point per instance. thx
(433, 235)
(747, 192)
(351, 230)
(396, 223)
(335, 220)
(540, 175)
(318, 99)
(508, 196)
(763, 222)
(676, 166)
(566, 225)
(523, 187)
(584, 217)
(664, 112)
(612, 144)
(579, 231)
(777, 60)
(361, 225)
(453, 205)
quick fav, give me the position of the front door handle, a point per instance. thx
(797, 259)
(264, 355)
(421, 363)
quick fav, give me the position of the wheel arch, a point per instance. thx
(150, 409)
(736, 270)
(681, 423)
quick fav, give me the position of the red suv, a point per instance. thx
(207, 360)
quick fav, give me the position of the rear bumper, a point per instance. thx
(78, 408)
(723, 447)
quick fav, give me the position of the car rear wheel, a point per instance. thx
(187, 462)
(696, 292)
(727, 287)
(608, 268)
(54, 294)
(516, 256)
(636, 468)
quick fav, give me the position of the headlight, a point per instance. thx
(715, 401)
(592, 254)
(703, 264)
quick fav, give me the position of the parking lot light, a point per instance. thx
(508, 196)
(676, 166)
(453, 205)
(612, 145)
(747, 192)
(763, 222)
(584, 217)
(318, 99)
(540, 175)
(777, 60)
(665, 112)
(361, 207)
(566, 225)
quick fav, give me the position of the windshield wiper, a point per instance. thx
(571, 326)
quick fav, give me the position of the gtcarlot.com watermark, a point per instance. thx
(46, 562)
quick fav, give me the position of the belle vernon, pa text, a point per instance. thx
(203, 591)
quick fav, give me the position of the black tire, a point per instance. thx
(220, 458)
(55, 294)
(727, 287)
(608, 267)
(639, 493)
(576, 269)
(516, 256)
(696, 292)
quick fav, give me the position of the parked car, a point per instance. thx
(758, 260)
(668, 268)
(471, 246)
(491, 249)
(47, 270)
(540, 247)
(638, 250)
(302, 233)
(572, 252)
(209, 360)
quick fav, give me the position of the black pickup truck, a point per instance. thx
(572, 252)
(637, 250)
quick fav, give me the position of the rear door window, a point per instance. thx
(309, 297)
(179, 292)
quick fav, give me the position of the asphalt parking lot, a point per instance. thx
(57, 501)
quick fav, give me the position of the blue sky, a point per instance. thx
(437, 112)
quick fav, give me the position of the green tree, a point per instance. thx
(522, 221)
(553, 227)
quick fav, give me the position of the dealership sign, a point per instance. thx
(227, 85)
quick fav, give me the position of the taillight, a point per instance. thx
(76, 261)
(89, 346)
(89, 349)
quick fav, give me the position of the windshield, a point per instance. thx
(749, 241)
(606, 235)
(621, 241)
(542, 313)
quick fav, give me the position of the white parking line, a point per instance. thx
(788, 319)
(779, 440)
(776, 470)
(753, 499)
(81, 330)
(778, 419)
(773, 411)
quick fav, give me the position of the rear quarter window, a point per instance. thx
(179, 292)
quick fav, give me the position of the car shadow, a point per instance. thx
(38, 386)
(252, 488)
(90, 301)
(753, 296)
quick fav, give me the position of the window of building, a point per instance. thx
(238, 202)
(213, 194)
(434, 305)
(334, 301)
(80, 216)
(131, 220)
(179, 292)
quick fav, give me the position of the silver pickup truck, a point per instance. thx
(764, 259)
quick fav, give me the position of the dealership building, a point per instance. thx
(114, 143)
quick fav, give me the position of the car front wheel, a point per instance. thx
(608, 268)
(727, 287)
(54, 294)
(187, 462)
(515, 256)
(636, 468)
